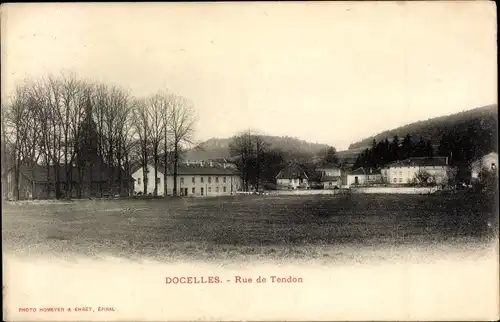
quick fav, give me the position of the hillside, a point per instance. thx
(482, 120)
(219, 148)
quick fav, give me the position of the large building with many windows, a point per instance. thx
(192, 180)
(405, 171)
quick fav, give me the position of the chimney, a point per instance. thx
(224, 165)
(211, 164)
(187, 162)
(201, 163)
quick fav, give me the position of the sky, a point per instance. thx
(331, 73)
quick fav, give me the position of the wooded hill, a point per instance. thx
(219, 148)
(482, 121)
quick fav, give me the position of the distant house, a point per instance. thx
(364, 175)
(405, 171)
(487, 162)
(331, 176)
(38, 182)
(193, 179)
(292, 177)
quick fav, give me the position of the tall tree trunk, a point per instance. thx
(145, 172)
(57, 173)
(17, 175)
(176, 160)
(165, 169)
(127, 171)
(120, 175)
(155, 193)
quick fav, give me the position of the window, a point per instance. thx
(138, 180)
(400, 173)
(193, 190)
(217, 189)
(193, 180)
(395, 180)
(400, 180)
(201, 190)
(209, 179)
(224, 189)
(201, 180)
(157, 180)
(209, 189)
(217, 179)
(182, 180)
(224, 179)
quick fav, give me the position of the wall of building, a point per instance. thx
(363, 178)
(405, 175)
(196, 185)
(294, 183)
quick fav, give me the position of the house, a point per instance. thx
(364, 175)
(331, 176)
(292, 177)
(406, 171)
(487, 162)
(39, 182)
(197, 179)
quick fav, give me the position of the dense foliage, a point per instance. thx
(482, 121)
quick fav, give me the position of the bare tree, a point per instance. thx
(241, 147)
(143, 130)
(16, 115)
(182, 120)
(157, 106)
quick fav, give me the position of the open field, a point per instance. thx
(250, 227)
(361, 257)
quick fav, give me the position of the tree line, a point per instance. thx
(61, 121)
(385, 151)
(259, 163)
(461, 148)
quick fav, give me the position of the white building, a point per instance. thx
(331, 176)
(192, 180)
(362, 176)
(292, 177)
(405, 171)
(487, 162)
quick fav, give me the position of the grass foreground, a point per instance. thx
(330, 228)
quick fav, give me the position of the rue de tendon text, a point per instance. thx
(236, 280)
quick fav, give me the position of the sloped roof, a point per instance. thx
(419, 162)
(365, 171)
(292, 171)
(39, 173)
(195, 169)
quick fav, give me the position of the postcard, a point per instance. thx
(249, 161)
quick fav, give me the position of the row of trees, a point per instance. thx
(384, 152)
(63, 122)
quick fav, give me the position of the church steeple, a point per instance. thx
(88, 137)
